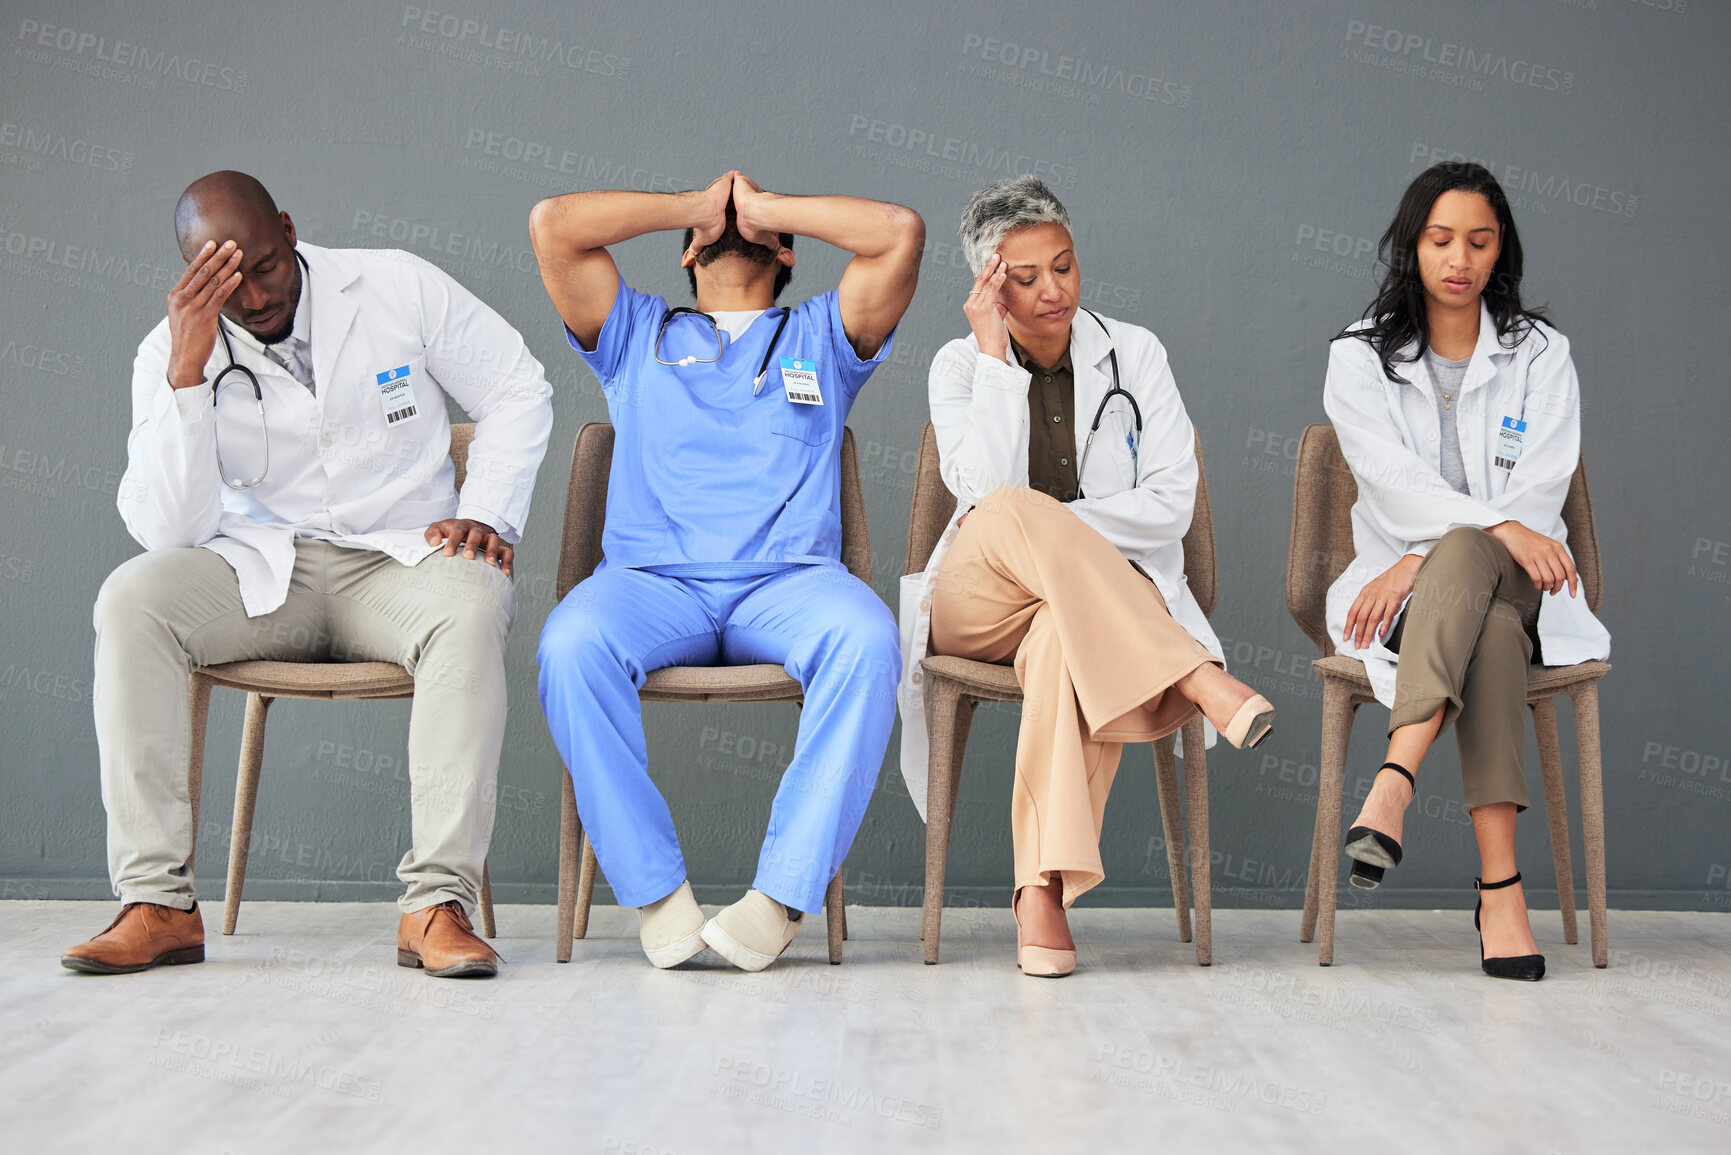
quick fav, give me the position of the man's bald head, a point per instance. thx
(228, 202)
(232, 206)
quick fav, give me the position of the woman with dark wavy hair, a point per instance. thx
(1458, 412)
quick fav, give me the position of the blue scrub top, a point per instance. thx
(706, 476)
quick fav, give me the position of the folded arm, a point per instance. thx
(980, 414)
(171, 493)
(570, 234)
(885, 239)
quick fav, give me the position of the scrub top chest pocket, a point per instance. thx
(799, 380)
(800, 411)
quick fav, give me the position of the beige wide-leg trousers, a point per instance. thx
(168, 610)
(1095, 650)
(1464, 640)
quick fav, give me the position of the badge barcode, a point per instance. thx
(400, 415)
(1505, 463)
(808, 398)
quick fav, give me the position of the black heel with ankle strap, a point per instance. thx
(1373, 852)
(1526, 968)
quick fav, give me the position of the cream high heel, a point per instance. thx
(1253, 722)
(1040, 962)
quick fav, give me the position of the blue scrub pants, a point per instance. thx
(827, 628)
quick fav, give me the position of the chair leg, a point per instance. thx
(1586, 700)
(1337, 712)
(834, 905)
(1312, 878)
(570, 837)
(1201, 872)
(198, 689)
(969, 705)
(585, 888)
(1318, 847)
(488, 927)
(1556, 810)
(948, 718)
(245, 798)
(1172, 827)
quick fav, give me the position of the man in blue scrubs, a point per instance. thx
(723, 534)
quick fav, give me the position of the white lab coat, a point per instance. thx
(1388, 433)
(980, 411)
(338, 470)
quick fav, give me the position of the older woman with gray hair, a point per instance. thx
(1065, 554)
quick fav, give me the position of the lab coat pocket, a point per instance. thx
(1117, 430)
(1112, 466)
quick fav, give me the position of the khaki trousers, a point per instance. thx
(1095, 651)
(1465, 640)
(168, 610)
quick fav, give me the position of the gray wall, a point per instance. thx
(1229, 166)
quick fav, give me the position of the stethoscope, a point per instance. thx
(1131, 441)
(257, 393)
(693, 359)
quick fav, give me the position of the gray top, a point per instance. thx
(1448, 376)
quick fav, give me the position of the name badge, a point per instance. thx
(799, 378)
(1509, 439)
(397, 395)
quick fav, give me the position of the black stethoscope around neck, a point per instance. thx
(1132, 442)
(257, 391)
(762, 368)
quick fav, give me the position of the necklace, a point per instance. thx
(1447, 399)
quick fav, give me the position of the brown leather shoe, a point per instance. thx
(441, 939)
(142, 935)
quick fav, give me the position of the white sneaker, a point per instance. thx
(752, 932)
(672, 929)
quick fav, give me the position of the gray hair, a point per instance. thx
(999, 209)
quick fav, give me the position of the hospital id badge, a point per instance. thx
(397, 395)
(799, 378)
(1509, 439)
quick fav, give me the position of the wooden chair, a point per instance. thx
(264, 682)
(580, 553)
(954, 687)
(1321, 548)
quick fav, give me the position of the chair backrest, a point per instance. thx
(461, 434)
(586, 508)
(1321, 546)
(932, 508)
(1199, 564)
(934, 503)
(1583, 535)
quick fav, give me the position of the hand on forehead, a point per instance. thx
(220, 223)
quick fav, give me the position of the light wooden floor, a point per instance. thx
(300, 1034)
